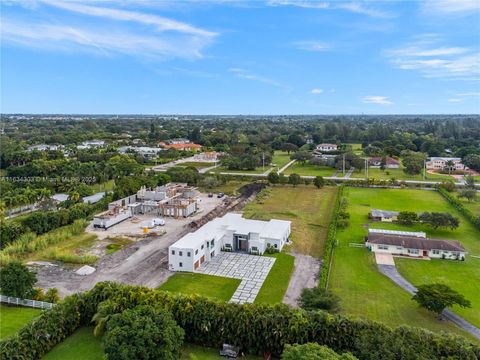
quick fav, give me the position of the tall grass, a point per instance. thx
(65, 256)
(29, 243)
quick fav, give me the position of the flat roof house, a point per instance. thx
(414, 246)
(390, 163)
(327, 147)
(383, 215)
(231, 232)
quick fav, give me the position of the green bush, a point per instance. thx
(330, 243)
(142, 333)
(312, 351)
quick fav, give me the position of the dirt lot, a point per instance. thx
(142, 263)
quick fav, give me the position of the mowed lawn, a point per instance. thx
(307, 207)
(473, 206)
(399, 174)
(309, 170)
(214, 287)
(82, 345)
(12, 318)
(276, 284)
(365, 292)
(281, 158)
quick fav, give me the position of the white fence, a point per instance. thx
(25, 302)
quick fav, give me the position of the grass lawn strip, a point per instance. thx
(276, 284)
(215, 287)
(82, 345)
(12, 318)
(367, 293)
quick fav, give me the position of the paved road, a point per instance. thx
(349, 173)
(286, 167)
(305, 275)
(391, 272)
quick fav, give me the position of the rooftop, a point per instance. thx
(383, 213)
(412, 242)
(419, 234)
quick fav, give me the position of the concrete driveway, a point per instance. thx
(384, 258)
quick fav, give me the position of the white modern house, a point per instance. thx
(414, 246)
(327, 147)
(441, 163)
(231, 232)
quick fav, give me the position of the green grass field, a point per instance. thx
(307, 207)
(12, 318)
(215, 287)
(82, 345)
(367, 293)
(258, 170)
(230, 188)
(473, 206)
(280, 159)
(276, 283)
(309, 170)
(398, 174)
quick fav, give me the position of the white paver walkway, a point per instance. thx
(384, 258)
(251, 269)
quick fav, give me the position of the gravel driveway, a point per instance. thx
(305, 275)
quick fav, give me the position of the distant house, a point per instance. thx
(59, 197)
(177, 141)
(208, 156)
(186, 146)
(91, 144)
(415, 246)
(93, 199)
(44, 147)
(441, 163)
(390, 163)
(327, 147)
(383, 215)
(145, 151)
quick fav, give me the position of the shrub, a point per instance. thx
(319, 299)
(17, 281)
(312, 351)
(143, 333)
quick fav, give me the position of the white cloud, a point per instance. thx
(99, 41)
(157, 37)
(469, 94)
(354, 6)
(316, 91)
(160, 23)
(445, 7)
(245, 74)
(375, 99)
(454, 100)
(426, 55)
(312, 45)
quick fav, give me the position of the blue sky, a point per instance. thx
(238, 57)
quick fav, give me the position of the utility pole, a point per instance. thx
(424, 169)
(366, 168)
(343, 164)
(263, 161)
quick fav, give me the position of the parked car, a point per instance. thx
(220, 195)
(158, 222)
(210, 194)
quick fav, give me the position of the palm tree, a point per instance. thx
(450, 165)
(74, 196)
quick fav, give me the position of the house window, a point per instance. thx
(413, 251)
(383, 247)
(180, 253)
(399, 248)
(212, 243)
(436, 252)
(173, 252)
(196, 252)
(202, 247)
(188, 253)
(254, 248)
(180, 264)
(276, 246)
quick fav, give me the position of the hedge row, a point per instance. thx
(330, 243)
(460, 207)
(255, 328)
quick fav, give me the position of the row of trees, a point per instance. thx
(433, 219)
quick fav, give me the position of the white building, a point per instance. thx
(142, 150)
(91, 144)
(231, 232)
(415, 246)
(327, 147)
(440, 163)
(45, 147)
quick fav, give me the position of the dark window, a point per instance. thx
(188, 253)
(275, 246)
(180, 264)
(173, 252)
(196, 252)
(202, 247)
(180, 253)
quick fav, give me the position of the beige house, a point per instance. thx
(441, 163)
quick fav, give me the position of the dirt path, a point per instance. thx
(305, 275)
